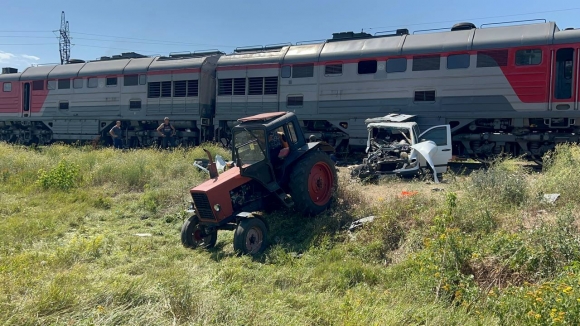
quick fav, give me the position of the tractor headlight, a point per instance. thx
(217, 207)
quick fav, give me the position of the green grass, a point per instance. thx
(486, 251)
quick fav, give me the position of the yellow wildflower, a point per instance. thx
(567, 290)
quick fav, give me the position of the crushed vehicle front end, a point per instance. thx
(389, 150)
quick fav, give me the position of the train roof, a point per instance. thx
(343, 46)
(258, 56)
(175, 64)
(10, 77)
(350, 45)
(111, 66)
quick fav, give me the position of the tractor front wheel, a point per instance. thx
(250, 236)
(313, 182)
(194, 235)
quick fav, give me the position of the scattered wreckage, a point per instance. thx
(395, 147)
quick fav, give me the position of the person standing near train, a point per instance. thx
(167, 131)
(116, 132)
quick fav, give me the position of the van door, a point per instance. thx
(441, 136)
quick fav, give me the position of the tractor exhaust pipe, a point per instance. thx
(213, 173)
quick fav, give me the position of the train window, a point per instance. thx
(492, 58)
(564, 73)
(256, 86)
(424, 96)
(51, 84)
(93, 82)
(292, 132)
(367, 67)
(154, 90)
(270, 85)
(64, 83)
(397, 65)
(192, 88)
(78, 83)
(528, 57)
(38, 85)
(225, 86)
(7, 87)
(111, 81)
(239, 86)
(166, 89)
(63, 105)
(458, 61)
(130, 80)
(142, 79)
(134, 104)
(334, 69)
(286, 71)
(304, 70)
(426, 62)
(295, 100)
(179, 88)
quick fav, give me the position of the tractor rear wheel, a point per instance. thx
(250, 236)
(313, 182)
(193, 235)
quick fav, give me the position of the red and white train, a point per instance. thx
(511, 89)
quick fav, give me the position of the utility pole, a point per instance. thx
(64, 40)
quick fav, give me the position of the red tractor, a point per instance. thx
(273, 164)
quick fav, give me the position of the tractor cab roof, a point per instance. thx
(269, 120)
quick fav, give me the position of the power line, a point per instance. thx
(25, 31)
(143, 39)
(490, 17)
(25, 36)
(26, 43)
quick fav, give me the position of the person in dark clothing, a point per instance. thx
(116, 132)
(167, 131)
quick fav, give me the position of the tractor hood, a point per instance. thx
(216, 191)
(230, 179)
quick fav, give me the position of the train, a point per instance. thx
(503, 88)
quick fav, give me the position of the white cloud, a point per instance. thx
(5, 56)
(30, 57)
(20, 61)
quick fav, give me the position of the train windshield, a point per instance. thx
(250, 145)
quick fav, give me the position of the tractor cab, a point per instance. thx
(263, 145)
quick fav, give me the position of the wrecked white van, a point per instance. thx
(396, 146)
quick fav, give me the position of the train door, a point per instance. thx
(26, 100)
(577, 104)
(564, 89)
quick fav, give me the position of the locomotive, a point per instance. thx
(503, 88)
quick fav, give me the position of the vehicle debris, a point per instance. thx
(550, 198)
(395, 146)
(360, 222)
(221, 164)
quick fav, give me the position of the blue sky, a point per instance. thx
(149, 27)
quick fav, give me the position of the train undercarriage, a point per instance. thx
(481, 139)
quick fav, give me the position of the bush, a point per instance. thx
(561, 174)
(502, 183)
(64, 176)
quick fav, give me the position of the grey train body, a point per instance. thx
(502, 89)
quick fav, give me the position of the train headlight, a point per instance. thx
(217, 207)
